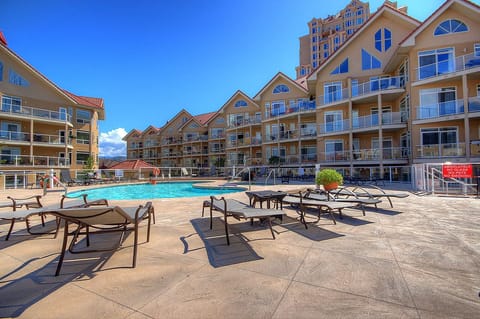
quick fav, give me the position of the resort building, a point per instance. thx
(398, 92)
(328, 34)
(42, 125)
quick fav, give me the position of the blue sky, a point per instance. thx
(150, 59)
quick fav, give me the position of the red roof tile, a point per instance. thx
(2, 39)
(132, 164)
(203, 118)
(85, 100)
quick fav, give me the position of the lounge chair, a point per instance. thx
(102, 220)
(238, 210)
(69, 201)
(302, 203)
(313, 194)
(66, 178)
(373, 192)
(32, 205)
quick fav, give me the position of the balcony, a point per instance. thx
(474, 104)
(244, 122)
(440, 150)
(295, 108)
(172, 141)
(381, 85)
(33, 161)
(26, 112)
(25, 138)
(388, 154)
(447, 67)
(363, 123)
(334, 97)
(217, 150)
(217, 136)
(439, 110)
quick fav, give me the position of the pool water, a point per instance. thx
(149, 191)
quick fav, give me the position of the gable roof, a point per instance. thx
(130, 133)
(204, 118)
(132, 164)
(384, 8)
(234, 96)
(410, 39)
(278, 76)
(92, 102)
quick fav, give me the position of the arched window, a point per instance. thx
(241, 103)
(450, 26)
(281, 88)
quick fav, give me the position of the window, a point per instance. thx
(314, 39)
(282, 88)
(435, 62)
(450, 26)
(441, 135)
(342, 68)
(325, 46)
(333, 150)
(278, 108)
(82, 157)
(359, 12)
(314, 56)
(359, 21)
(476, 51)
(11, 104)
(314, 48)
(314, 65)
(369, 61)
(83, 137)
(386, 115)
(240, 103)
(83, 116)
(333, 121)
(332, 91)
(383, 39)
(16, 79)
(405, 108)
(325, 55)
(438, 102)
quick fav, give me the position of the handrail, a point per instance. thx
(249, 176)
(268, 176)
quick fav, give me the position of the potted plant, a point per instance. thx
(329, 178)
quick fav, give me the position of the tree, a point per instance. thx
(89, 163)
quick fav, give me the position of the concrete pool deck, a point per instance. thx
(420, 259)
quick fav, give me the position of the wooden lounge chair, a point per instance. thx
(373, 192)
(102, 219)
(302, 203)
(238, 210)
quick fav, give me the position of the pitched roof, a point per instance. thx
(279, 75)
(2, 39)
(132, 131)
(242, 95)
(410, 39)
(204, 118)
(132, 164)
(95, 102)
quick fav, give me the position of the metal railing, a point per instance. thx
(334, 97)
(440, 150)
(294, 108)
(440, 109)
(378, 85)
(32, 112)
(452, 65)
(34, 160)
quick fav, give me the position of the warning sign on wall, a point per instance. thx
(457, 170)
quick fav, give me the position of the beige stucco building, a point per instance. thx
(41, 125)
(398, 92)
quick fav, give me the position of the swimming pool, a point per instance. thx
(149, 191)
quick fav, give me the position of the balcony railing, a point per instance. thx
(378, 85)
(31, 112)
(363, 122)
(458, 64)
(37, 138)
(441, 150)
(26, 160)
(243, 122)
(389, 153)
(333, 127)
(217, 150)
(474, 104)
(334, 97)
(440, 109)
(297, 107)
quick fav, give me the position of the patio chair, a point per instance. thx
(320, 195)
(66, 178)
(69, 201)
(100, 219)
(373, 192)
(238, 210)
(302, 203)
(32, 205)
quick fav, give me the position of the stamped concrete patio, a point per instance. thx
(420, 259)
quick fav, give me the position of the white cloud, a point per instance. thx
(111, 143)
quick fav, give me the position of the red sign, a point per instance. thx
(457, 170)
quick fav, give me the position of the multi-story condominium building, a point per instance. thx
(41, 125)
(398, 92)
(328, 34)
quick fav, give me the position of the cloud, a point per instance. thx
(111, 143)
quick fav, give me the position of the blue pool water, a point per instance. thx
(149, 191)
